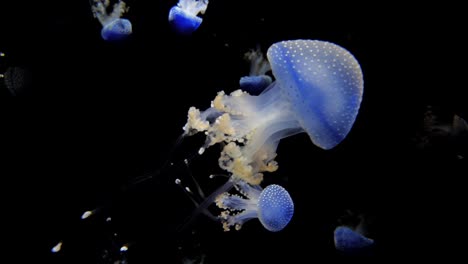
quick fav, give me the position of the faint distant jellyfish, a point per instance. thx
(114, 28)
(183, 16)
(350, 241)
(351, 235)
(318, 90)
(257, 80)
(17, 79)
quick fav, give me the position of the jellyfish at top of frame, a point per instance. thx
(114, 28)
(183, 16)
(318, 89)
(257, 80)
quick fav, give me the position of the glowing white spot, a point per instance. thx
(124, 248)
(57, 247)
(87, 214)
(108, 219)
(201, 150)
(177, 181)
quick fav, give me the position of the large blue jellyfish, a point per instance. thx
(114, 28)
(351, 242)
(183, 16)
(257, 80)
(318, 90)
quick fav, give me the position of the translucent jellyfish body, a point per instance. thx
(183, 16)
(349, 241)
(114, 28)
(273, 206)
(257, 80)
(318, 89)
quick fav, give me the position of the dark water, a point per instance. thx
(96, 116)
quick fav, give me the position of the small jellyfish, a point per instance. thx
(318, 89)
(351, 236)
(257, 80)
(350, 241)
(183, 16)
(273, 206)
(114, 28)
(16, 78)
(445, 134)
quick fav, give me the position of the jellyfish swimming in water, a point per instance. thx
(183, 16)
(257, 80)
(350, 241)
(16, 78)
(351, 235)
(114, 28)
(318, 89)
(273, 206)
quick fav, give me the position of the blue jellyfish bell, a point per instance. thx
(183, 16)
(273, 206)
(350, 241)
(257, 80)
(114, 28)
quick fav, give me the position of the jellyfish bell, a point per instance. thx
(118, 29)
(114, 28)
(257, 80)
(351, 241)
(318, 89)
(351, 236)
(183, 16)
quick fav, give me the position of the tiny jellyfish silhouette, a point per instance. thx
(257, 80)
(114, 28)
(318, 89)
(351, 235)
(444, 133)
(350, 241)
(57, 247)
(17, 79)
(183, 16)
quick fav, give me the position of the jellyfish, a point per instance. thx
(16, 78)
(273, 206)
(114, 28)
(183, 16)
(257, 80)
(442, 134)
(348, 240)
(318, 89)
(351, 235)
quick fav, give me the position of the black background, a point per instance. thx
(98, 115)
